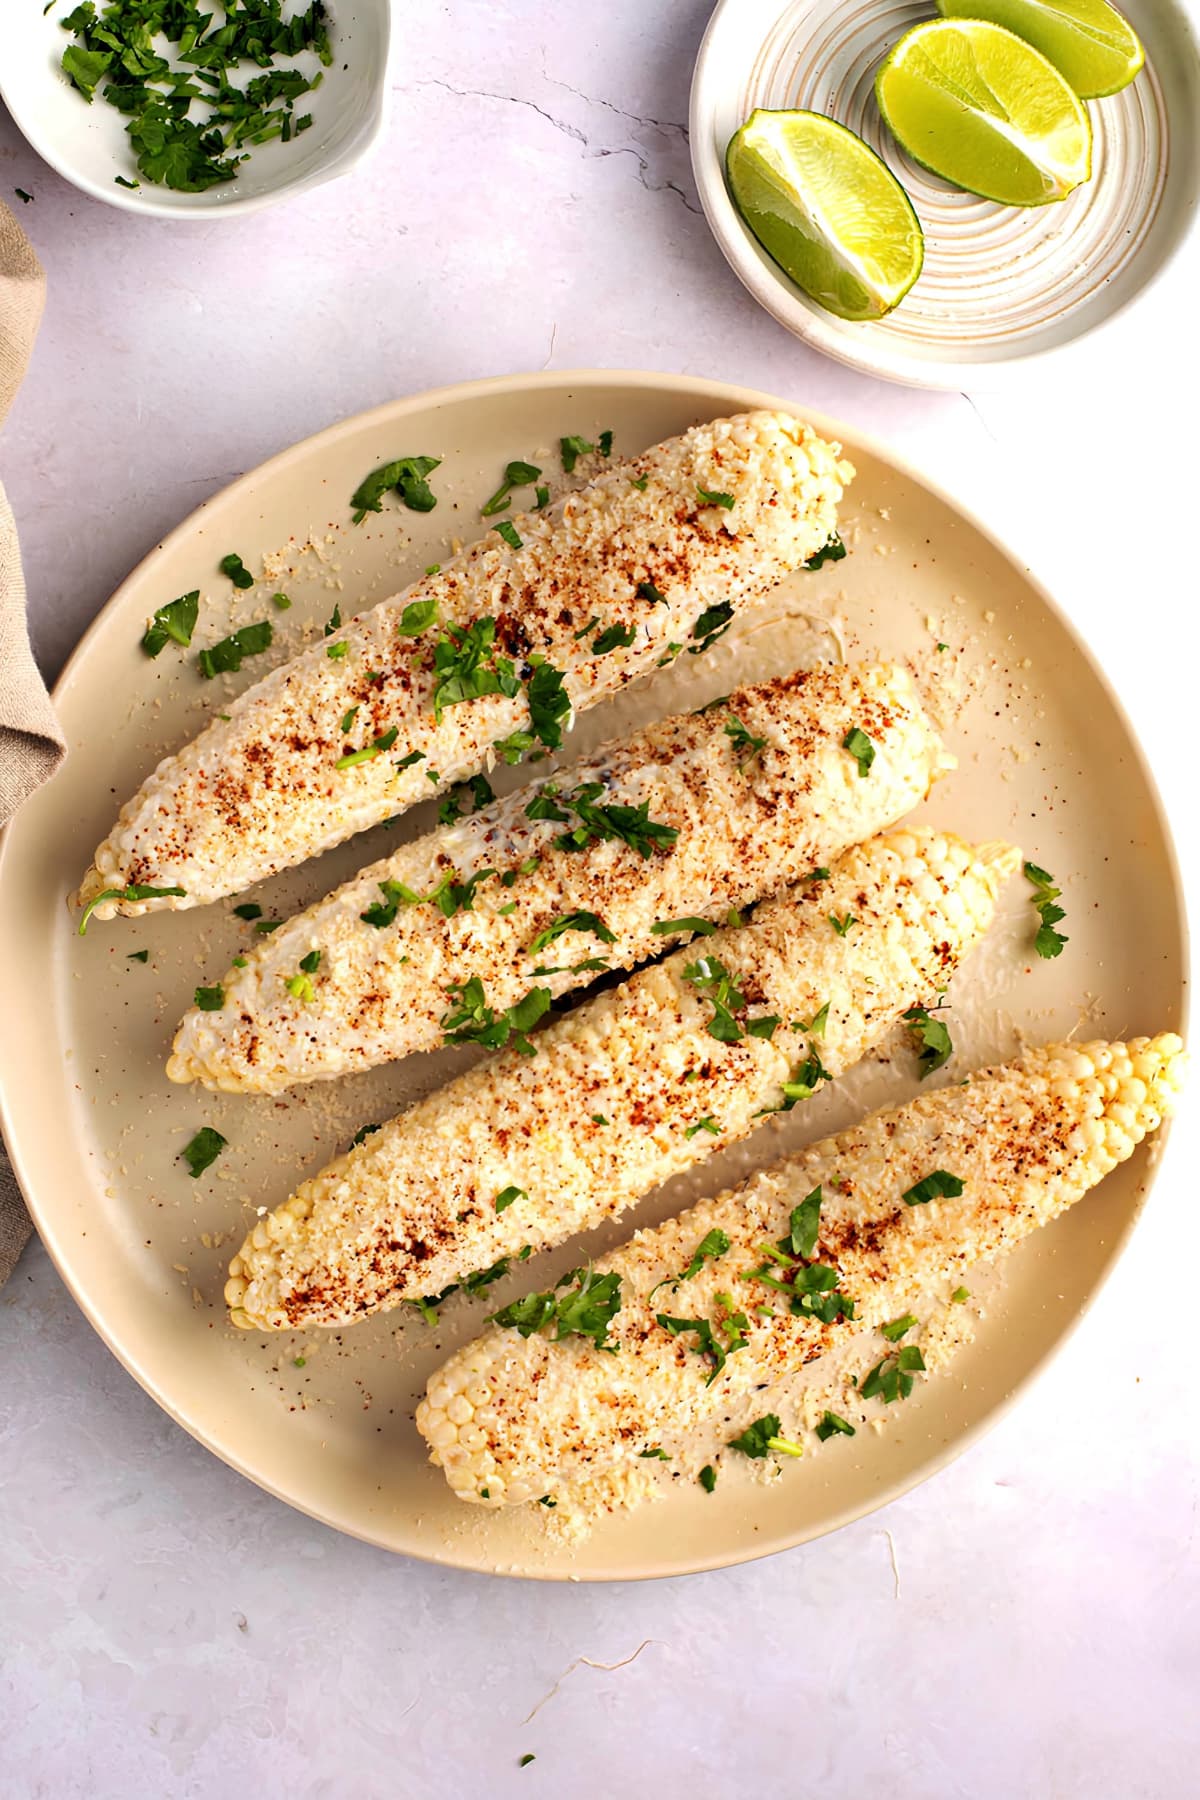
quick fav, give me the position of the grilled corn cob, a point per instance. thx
(510, 1418)
(666, 547)
(634, 1086)
(757, 792)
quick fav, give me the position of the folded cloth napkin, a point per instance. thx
(31, 744)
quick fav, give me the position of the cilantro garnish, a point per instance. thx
(605, 443)
(842, 925)
(833, 551)
(226, 657)
(710, 977)
(763, 1435)
(516, 745)
(734, 1325)
(713, 623)
(669, 927)
(708, 1123)
(892, 1376)
(811, 1287)
(348, 719)
(176, 620)
(335, 652)
(363, 1133)
(861, 749)
(601, 822)
(508, 531)
(450, 895)
(960, 1294)
(134, 892)
(407, 762)
(300, 986)
(506, 1196)
(516, 474)
(655, 1453)
(209, 999)
(407, 476)
(815, 1026)
(707, 1478)
(613, 637)
(542, 499)
(1048, 941)
(587, 1308)
(138, 956)
(334, 621)
(708, 498)
(648, 591)
(479, 790)
(417, 617)
(574, 921)
(466, 666)
(192, 153)
(281, 602)
(831, 1422)
(897, 1328)
(472, 1021)
(746, 746)
(714, 1243)
(805, 1079)
(375, 748)
(265, 926)
(936, 1186)
(204, 1149)
(233, 566)
(571, 449)
(549, 704)
(936, 1047)
(640, 482)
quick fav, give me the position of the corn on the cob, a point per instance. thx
(634, 1086)
(640, 550)
(758, 792)
(510, 1418)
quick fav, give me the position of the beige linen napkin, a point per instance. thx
(31, 744)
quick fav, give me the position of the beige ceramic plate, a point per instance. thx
(95, 1128)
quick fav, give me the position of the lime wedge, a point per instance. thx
(984, 109)
(830, 213)
(1088, 41)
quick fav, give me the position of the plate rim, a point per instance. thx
(736, 397)
(809, 324)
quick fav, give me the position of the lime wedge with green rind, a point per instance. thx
(982, 108)
(1090, 44)
(827, 210)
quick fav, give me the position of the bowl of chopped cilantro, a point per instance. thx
(197, 108)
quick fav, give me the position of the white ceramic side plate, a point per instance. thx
(1001, 284)
(95, 1129)
(88, 146)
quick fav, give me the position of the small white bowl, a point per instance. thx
(88, 145)
(1001, 284)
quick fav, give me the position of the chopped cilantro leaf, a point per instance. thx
(713, 623)
(605, 443)
(707, 1478)
(831, 1422)
(281, 602)
(517, 474)
(506, 1196)
(571, 449)
(508, 531)
(936, 1186)
(574, 921)
(334, 622)
(407, 476)
(733, 1324)
(892, 1376)
(897, 1328)
(226, 657)
(648, 591)
(417, 617)
(707, 498)
(936, 1047)
(861, 749)
(614, 637)
(1048, 941)
(960, 1294)
(842, 925)
(376, 747)
(335, 652)
(763, 1435)
(710, 977)
(640, 482)
(363, 1133)
(832, 551)
(670, 927)
(209, 999)
(204, 1149)
(233, 566)
(176, 621)
(467, 665)
(472, 1021)
(602, 823)
(134, 892)
(586, 1308)
(549, 704)
(746, 746)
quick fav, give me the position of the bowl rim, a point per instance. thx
(776, 294)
